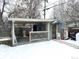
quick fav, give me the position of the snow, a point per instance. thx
(72, 42)
(77, 37)
(39, 50)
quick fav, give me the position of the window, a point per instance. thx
(39, 27)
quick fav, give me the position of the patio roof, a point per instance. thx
(29, 20)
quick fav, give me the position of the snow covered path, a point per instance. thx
(40, 50)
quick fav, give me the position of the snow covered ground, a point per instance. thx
(72, 42)
(40, 50)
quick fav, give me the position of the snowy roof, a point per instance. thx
(29, 20)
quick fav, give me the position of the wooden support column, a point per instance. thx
(30, 32)
(48, 28)
(14, 41)
(24, 33)
(66, 31)
(31, 27)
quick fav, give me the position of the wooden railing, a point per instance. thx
(38, 35)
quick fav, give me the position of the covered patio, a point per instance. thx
(31, 29)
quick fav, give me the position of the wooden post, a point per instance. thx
(44, 9)
(14, 41)
(30, 33)
(65, 33)
(48, 28)
(31, 27)
(29, 37)
(24, 33)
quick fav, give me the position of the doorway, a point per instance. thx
(54, 31)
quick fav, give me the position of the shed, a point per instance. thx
(40, 32)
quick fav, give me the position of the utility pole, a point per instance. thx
(44, 9)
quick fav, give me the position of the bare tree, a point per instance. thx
(27, 8)
(69, 11)
(2, 10)
(5, 7)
